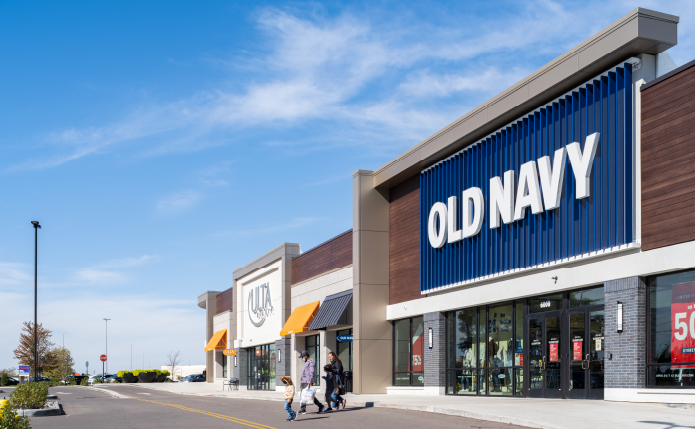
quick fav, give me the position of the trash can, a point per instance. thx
(348, 381)
(235, 383)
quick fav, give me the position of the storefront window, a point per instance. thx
(345, 350)
(409, 352)
(312, 346)
(224, 366)
(587, 297)
(671, 321)
(484, 350)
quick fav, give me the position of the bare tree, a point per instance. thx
(173, 360)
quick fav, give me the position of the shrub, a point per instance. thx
(29, 395)
(135, 372)
(10, 420)
(4, 380)
(72, 381)
(83, 382)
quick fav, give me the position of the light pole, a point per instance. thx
(107, 342)
(36, 291)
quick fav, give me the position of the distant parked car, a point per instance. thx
(99, 377)
(113, 379)
(32, 379)
(193, 378)
(78, 379)
(12, 381)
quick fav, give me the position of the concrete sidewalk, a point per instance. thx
(534, 413)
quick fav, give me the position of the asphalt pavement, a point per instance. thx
(140, 408)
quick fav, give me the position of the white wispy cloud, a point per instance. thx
(365, 75)
(287, 226)
(111, 271)
(97, 276)
(177, 202)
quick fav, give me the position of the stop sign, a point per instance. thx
(103, 358)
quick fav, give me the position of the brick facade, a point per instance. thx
(435, 358)
(626, 368)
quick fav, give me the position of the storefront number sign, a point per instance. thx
(554, 350)
(577, 349)
(683, 324)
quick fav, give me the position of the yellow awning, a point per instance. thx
(300, 319)
(218, 341)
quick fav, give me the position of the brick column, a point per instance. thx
(284, 367)
(626, 369)
(435, 358)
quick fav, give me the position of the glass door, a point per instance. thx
(545, 356)
(586, 364)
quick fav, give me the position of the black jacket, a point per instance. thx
(330, 382)
(338, 371)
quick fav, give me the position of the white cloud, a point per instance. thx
(108, 272)
(97, 276)
(293, 224)
(177, 202)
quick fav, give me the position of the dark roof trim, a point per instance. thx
(325, 242)
(673, 72)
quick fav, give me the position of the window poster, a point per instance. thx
(554, 350)
(577, 348)
(683, 324)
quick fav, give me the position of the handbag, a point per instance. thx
(307, 396)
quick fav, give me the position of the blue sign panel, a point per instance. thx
(557, 183)
(345, 338)
(24, 370)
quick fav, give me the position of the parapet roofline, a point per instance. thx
(642, 31)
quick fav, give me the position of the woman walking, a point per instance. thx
(337, 366)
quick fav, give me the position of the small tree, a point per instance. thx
(4, 380)
(24, 353)
(64, 364)
(173, 360)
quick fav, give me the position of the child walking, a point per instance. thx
(289, 397)
(330, 386)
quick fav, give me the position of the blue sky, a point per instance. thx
(164, 144)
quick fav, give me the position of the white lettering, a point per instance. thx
(528, 194)
(473, 211)
(582, 163)
(436, 225)
(552, 178)
(502, 199)
(453, 235)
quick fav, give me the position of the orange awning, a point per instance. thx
(218, 341)
(300, 319)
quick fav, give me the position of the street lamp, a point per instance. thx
(107, 342)
(36, 302)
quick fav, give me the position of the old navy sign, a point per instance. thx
(442, 222)
(555, 184)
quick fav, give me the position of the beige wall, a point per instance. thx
(372, 346)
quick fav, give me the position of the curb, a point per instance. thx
(53, 409)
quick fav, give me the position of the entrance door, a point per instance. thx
(545, 355)
(586, 337)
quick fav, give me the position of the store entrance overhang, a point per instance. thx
(336, 310)
(300, 319)
(218, 341)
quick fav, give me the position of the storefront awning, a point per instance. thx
(333, 311)
(300, 319)
(218, 341)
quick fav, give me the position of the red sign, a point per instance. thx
(103, 358)
(683, 324)
(553, 352)
(577, 349)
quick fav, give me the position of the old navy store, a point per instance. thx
(554, 187)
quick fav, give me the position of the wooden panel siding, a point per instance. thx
(333, 254)
(668, 159)
(404, 241)
(224, 301)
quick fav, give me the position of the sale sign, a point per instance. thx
(554, 349)
(683, 324)
(577, 349)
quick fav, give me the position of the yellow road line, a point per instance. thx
(208, 413)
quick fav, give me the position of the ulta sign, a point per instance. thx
(540, 188)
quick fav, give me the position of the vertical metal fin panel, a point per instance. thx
(602, 221)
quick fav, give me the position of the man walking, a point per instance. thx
(308, 374)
